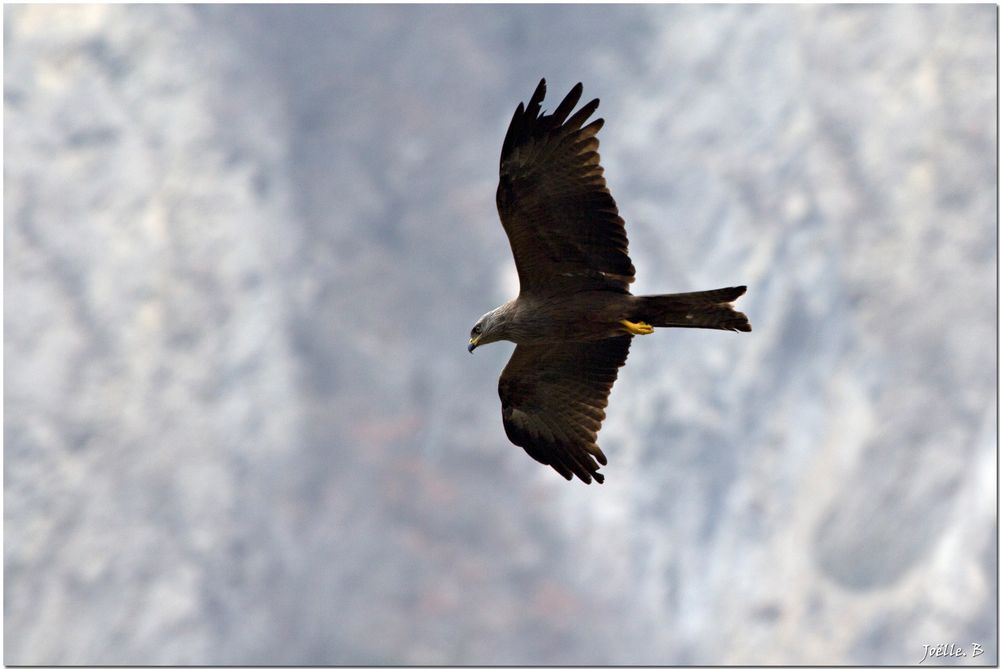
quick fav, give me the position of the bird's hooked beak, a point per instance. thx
(473, 343)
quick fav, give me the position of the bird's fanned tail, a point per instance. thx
(710, 309)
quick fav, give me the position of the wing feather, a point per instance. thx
(553, 398)
(554, 204)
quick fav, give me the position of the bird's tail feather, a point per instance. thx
(710, 309)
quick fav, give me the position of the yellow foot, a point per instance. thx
(639, 328)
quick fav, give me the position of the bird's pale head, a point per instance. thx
(488, 329)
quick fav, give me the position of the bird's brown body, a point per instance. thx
(584, 316)
(574, 318)
(592, 315)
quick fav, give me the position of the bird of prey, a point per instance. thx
(574, 318)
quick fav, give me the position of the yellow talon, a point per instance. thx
(639, 328)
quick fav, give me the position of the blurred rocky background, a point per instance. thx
(243, 249)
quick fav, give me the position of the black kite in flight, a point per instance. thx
(574, 318)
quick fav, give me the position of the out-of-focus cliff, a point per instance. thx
(243, 248)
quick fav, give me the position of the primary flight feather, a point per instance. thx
(574, 318)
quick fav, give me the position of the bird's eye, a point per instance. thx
(476, 330)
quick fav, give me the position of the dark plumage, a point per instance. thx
(574, 318)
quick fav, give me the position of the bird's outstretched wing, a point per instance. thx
(553, 398)
(554, 204)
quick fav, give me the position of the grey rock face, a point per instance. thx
(244, 246)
